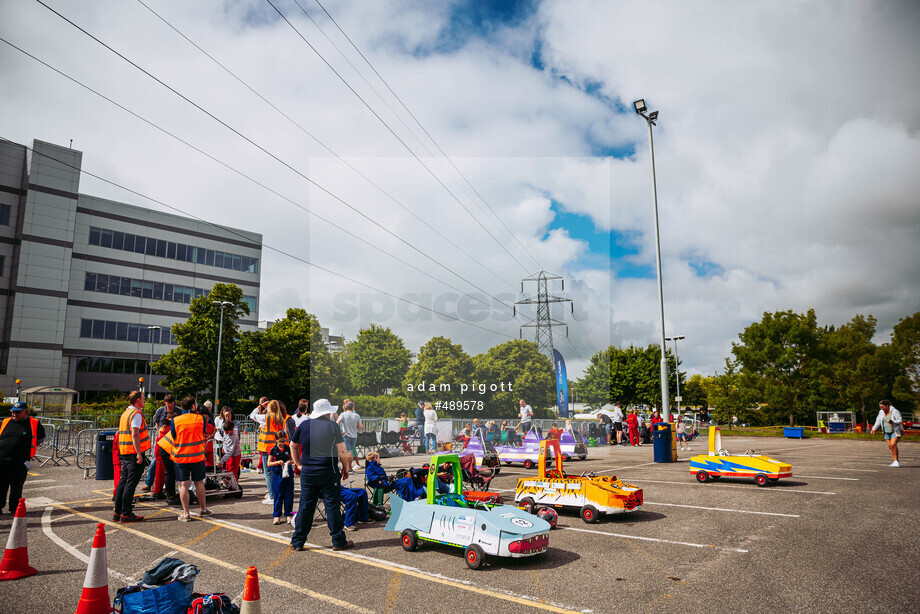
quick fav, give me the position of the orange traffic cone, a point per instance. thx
(15, 563)
(252, 603)
(95, 596)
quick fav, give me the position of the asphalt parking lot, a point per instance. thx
(840, 536)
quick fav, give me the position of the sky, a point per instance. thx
(415, 154)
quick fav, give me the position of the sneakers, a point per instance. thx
(895, 464)
(298, 548)
(145, 488)
(205, 513)
(348, 545)
(267, 501)
(184, 518)
(291, 519)
(276, 521)
(132, 517)
(116, 517)
(366, 521)
(351, 528)
(158, 496)
(173, 501)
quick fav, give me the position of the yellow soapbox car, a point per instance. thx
(721, 462)
(590, 494)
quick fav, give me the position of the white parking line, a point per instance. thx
(758, 488)
(839, 469)
(42, 488)
(824, 477)
(722, 509)
(46, 529)
(30, 482)
(655, 539)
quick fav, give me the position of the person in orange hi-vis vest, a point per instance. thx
(189, 433)
(272, 420)
(132, 441)
(19, 440)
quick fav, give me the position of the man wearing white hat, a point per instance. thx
(316, 448)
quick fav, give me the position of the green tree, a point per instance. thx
(729, 394)
(629, 375)
(530, 375)
(783, 350)
(694, 392)
(288, 360)
(190, 368)
(443, 365)
(905, 344)
(852, 372)
(377, 360)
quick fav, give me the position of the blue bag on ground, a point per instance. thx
(166, 589)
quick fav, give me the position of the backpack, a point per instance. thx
(212, 603)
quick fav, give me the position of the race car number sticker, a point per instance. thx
(522, 522)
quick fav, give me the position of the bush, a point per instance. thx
(382, 406)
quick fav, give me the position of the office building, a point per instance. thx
(89, 287)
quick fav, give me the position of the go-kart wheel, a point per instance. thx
(409, 540)
(529, 505)
(238, 495)
(702, 476)
(761, 479)
(475, 557)
(566, 458)
(528, 464)
(583, 457)
(589, 514)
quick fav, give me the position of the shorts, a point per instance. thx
(608, 427)
(193, 472)
(681, 437)
(896, 434)
(350, 443)
(617, 426)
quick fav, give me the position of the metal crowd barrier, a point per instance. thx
(63, 444)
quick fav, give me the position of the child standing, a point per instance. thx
(281, 469)
(682, 435)
(232, 452)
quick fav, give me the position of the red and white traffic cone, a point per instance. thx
(252, 603)
(95, 596)
(15, 563)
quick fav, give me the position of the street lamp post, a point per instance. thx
(18, 384)
(651, 118)
(675, 339)
(150, 330)
(220, 338)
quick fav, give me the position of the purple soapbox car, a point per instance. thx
(571, 443)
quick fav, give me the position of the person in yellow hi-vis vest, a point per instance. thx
(189, 433)
(133, 440)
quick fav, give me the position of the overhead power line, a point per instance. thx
(262, 245)
(393, 132)
(322, 144)
(264, 150)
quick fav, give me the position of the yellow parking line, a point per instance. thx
(280, 560)
(87, 501)
(192, 542)
(389, 604)
(304, 591)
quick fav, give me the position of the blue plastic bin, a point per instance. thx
(794, 432)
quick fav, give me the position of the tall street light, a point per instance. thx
(220, 339)
(675, 339)
(651, 119)
(150, 330)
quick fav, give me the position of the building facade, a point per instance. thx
(89, 287)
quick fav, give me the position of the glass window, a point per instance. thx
(121, 331)
(254, 265)
(140, 367)
(105, 365)
(136, 287)
(190, 253)
(105, 239)
(139, 244)
(5, 215)
(86, 328)
(171, 250)
(187, 298)
(157, 291)
(98, 329)
(82, 364)
(95, 365)
(143, 335)
(114, 284)
(148, 289)
(126, 286)
(237, 262)
(198, 292)
(209, 257)
(118, 240)
(180, 251)
(102, 283)
(167, 292)
(132, 332)
(110, 329)
(228, 261)
(129, 242)
(161, 248)
(155, 333)
(93, 236)
(90, 283)
(118, 364)
(151, 247)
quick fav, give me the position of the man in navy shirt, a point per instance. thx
(316, 448)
